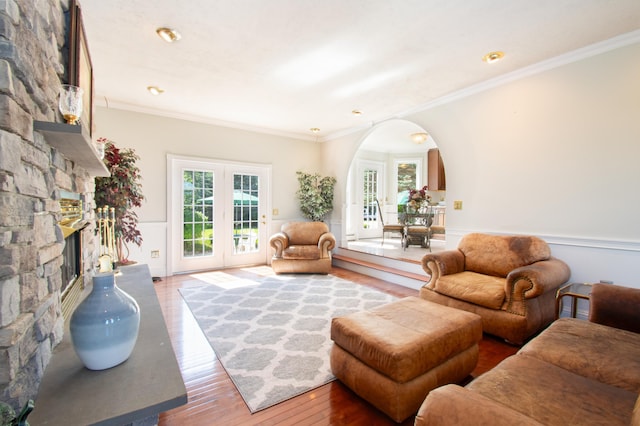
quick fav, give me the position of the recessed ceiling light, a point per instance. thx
(315, 130)
(155, 90)
(492, 57)
(167, 34)
(356, 112)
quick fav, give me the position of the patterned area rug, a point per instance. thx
(272, 334)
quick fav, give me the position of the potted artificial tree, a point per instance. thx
(315, 195)
(122, 191)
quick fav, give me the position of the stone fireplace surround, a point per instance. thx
(32, 173)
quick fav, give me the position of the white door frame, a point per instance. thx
(361, 165)
(223, 215)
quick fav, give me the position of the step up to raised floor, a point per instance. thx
(408, 274)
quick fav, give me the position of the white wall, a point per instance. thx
(153, 137)
(553, 154)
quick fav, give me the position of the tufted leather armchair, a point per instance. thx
(510, 281)
(302, 247)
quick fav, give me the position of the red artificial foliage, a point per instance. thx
(122, 190)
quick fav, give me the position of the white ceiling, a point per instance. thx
(284, 66)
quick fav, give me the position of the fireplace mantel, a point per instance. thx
(74, 143)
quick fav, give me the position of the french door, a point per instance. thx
(217, 214)
(369, 183)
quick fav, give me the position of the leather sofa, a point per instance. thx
(302, 247)
(574, 372)
(510, 281)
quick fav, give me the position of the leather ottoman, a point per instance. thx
(393, 355)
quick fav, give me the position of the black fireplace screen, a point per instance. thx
(71, 261)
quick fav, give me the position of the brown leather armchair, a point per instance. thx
(510, 281)
(302, 247)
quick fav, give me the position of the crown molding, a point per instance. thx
(540, 67)
(102, 101)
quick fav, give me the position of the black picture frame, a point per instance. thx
(80, 67)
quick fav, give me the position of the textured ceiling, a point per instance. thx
(284, 66)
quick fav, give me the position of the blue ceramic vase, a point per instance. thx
(104, 326)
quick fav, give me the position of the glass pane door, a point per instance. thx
(245, 212)
(249, 216)
(197, 224)
(370, 179)
(195, 216)
(369, 196)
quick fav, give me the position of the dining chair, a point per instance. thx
(399, 228)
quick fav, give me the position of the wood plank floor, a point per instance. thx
(213, 398)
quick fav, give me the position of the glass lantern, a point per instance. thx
(70, 103)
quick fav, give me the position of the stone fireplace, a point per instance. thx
(33, 176)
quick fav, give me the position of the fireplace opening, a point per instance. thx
(71, 261)
(71, 225)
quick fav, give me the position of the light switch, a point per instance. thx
(457, 205)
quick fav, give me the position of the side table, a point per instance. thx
(575, 291)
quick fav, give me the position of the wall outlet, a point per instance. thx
(155, 254)
(457, 205)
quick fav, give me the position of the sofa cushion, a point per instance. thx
(553, 395)
(498, 255)
(472, 287)
(602, 353)
(304, 233)
(301, 252)
(455, 405)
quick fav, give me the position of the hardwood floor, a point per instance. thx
(213, 399)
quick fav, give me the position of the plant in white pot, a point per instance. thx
(315, 195)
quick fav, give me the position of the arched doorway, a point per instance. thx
(386, 165)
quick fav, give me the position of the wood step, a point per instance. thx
(377, 270)
(380, 267)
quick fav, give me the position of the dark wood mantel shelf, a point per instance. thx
(74, 143)
(146, 384)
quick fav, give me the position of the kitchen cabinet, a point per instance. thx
(435, 171)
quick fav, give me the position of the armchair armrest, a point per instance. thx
(443, 263)
(615, 306)
(532, 281)
(326, 243)
(279, 242)
(455, 405)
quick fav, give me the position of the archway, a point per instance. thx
(387, 163)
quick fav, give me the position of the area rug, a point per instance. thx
(272, 334)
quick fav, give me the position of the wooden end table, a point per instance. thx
(575, 291)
